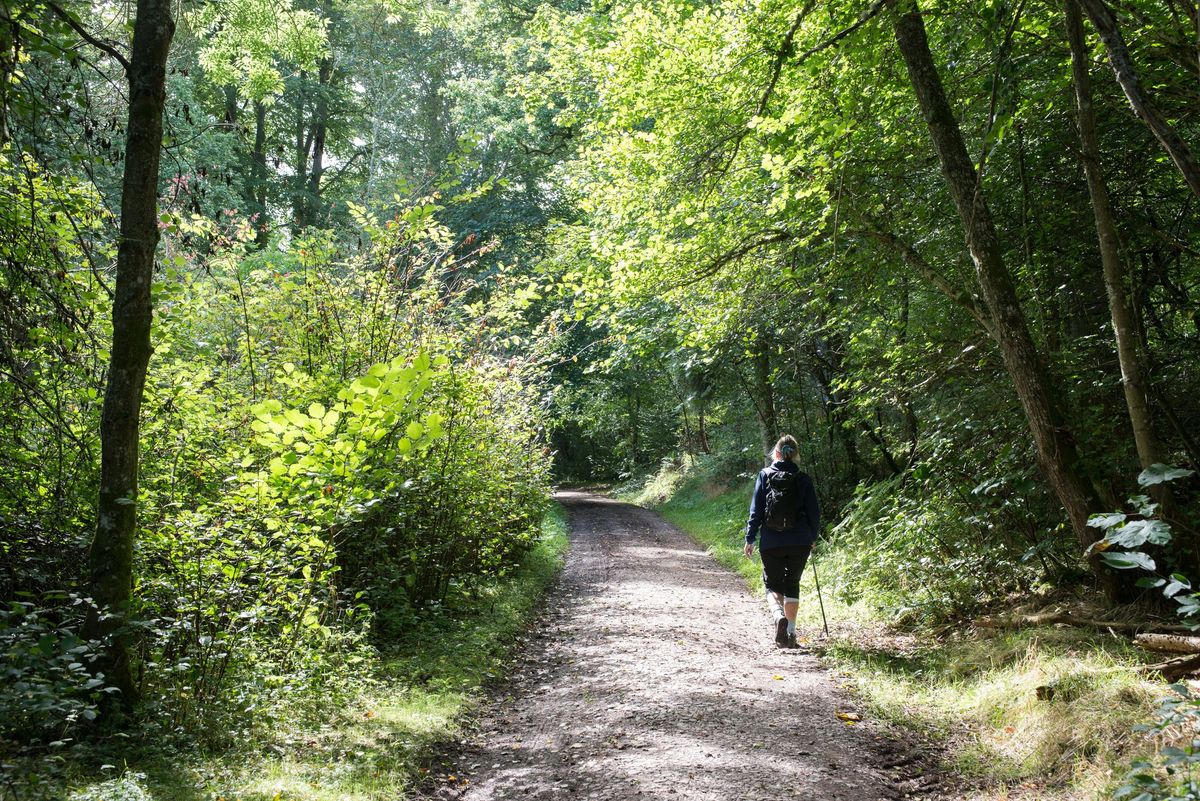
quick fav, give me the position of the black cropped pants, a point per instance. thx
(782, 568)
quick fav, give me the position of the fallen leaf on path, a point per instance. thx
(849, 717)
(777, 677)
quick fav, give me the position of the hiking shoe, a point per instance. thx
(781, 632)
(792, 642)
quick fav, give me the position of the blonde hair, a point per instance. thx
(787, 448)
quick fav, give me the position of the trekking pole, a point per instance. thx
(820, 600)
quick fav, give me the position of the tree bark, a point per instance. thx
(231, 107)
(768, 419)
(825, 366)
(303, 143)
(1105, 22)
(697, 386)
(320, 127)
(258, 175)
(1168, 643)
(110, 560)
(1124, 326)
(1067, 619)
(1055, 447)
(1174, 669)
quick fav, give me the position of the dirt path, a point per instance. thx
(653, 676)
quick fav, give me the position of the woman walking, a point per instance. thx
(786, 519)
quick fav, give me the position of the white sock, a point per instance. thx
(791, 628)
(774, 605)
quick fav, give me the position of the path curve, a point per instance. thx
(653, 676)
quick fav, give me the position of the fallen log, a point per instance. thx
(1174, 669)
(1168, 643)
(1067, 619)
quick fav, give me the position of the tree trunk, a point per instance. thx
(696, 388)
(1068, 619)
(303, 143)
(768, 419)
(110, 561)
(635, 425)
(825, 366)
(10, 61)
(312, 199)
(1124, 326)
(1055, 447)
(231, 107)
(875, 435)
(1105, 23)
(1168, 643)
(258, 175)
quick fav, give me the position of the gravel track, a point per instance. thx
(653, 675)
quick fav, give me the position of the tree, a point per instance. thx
(245, 44)
(1133, 373)
(1055, 444)
(1140, 101)
(110, 560)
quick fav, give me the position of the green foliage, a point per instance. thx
(327, 451)
(244, 40)
(371, 744)
(1172, 774)
(128, 787)
(48, 690)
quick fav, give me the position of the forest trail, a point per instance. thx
(653, 676)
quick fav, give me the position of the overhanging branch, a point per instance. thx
(84, 34)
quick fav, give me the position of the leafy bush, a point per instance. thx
(48, 688)
(326, 445)
(1172, 774)
(920, 548)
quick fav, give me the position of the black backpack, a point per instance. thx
(783, 499)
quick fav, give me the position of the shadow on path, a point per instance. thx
(653, 676)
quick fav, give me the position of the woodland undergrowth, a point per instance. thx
(368, 739)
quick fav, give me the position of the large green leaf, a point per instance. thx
(1128, 560)
(1138, 532)
(1161, 473)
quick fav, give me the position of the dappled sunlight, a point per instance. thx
(657, 675)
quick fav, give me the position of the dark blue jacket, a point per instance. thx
(808, 522)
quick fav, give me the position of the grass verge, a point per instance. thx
(1036, 713)
(372, 749)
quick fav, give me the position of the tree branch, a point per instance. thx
(863, 18)
(99, 44)
(1105, 22)
(916, 261)
(785, 52)
(733, 254)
